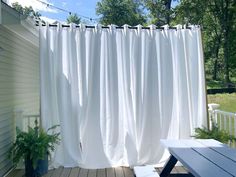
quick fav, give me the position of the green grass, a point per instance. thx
(227, 101)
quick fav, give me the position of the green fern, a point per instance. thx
(214, 133)
(33, 144)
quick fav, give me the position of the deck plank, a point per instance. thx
(65, 172)
(57, 172)
(101, 172)
(21, 173)
(174, 170)
(119, 172)
(128, 172)
(158, 169)
(49, 174)
(74, 172)
(177, 169)
(83, 172)
(180, 169)
(79, 172)
(92, 173)
(13, 173)
(110, 172)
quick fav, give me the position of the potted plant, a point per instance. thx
(34, 147)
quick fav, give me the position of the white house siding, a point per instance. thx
(19, 86)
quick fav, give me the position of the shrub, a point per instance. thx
(214, 133)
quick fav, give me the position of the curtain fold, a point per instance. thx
(117, 92)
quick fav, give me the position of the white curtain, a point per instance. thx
(117, 92)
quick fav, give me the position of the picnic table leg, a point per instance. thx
(168, 166)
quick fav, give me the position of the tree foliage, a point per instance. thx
(73, 18)
(26, 11)
(160, 11)
(218, 19)
(120, 12)
(215, 133)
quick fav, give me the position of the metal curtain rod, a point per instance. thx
(106, 27)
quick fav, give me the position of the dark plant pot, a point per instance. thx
(41, 169)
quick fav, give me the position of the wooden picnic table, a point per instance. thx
(202, 158)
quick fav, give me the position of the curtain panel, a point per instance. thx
(117, 92)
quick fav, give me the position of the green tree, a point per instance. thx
(73, 18)
(120, 12)
(160, 11)
(26, 11)
(217, 18)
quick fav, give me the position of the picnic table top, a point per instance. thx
(204, 158)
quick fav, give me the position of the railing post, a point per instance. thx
(212, 113)
(18, 120)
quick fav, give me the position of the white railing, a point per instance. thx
(29, 121)
(225, 120)
(23, 122)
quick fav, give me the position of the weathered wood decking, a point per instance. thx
(80, 172)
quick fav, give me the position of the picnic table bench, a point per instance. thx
(202, 158)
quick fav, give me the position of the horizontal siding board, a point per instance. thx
(27, 76)
(5, 142)
(6, 116)
(5, 151)
(18, 64)
(6, 123)
(30, 95)
(16, 38)
(14, 48)
(5, 110)
(5, 131)
(19, 87)
(5, 167)
(7, 55)
(8, 43)
(6, 103)
(19, 74)
(7, 136)
(6, 58)
(11, 40)
(19, 70)
(6, 99)
(5, 163)
(4, 160)
(18, 52)
(4, 80)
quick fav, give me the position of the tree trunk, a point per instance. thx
(216, 57)
(168, 7)
(214, 77)
(226, 58)
(226, 27)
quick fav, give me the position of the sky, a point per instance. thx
(84, 8)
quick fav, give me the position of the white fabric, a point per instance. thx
(117, 92)
(145, 171)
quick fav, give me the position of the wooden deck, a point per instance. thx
(80, 172)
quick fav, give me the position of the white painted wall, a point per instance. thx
(19, 86)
